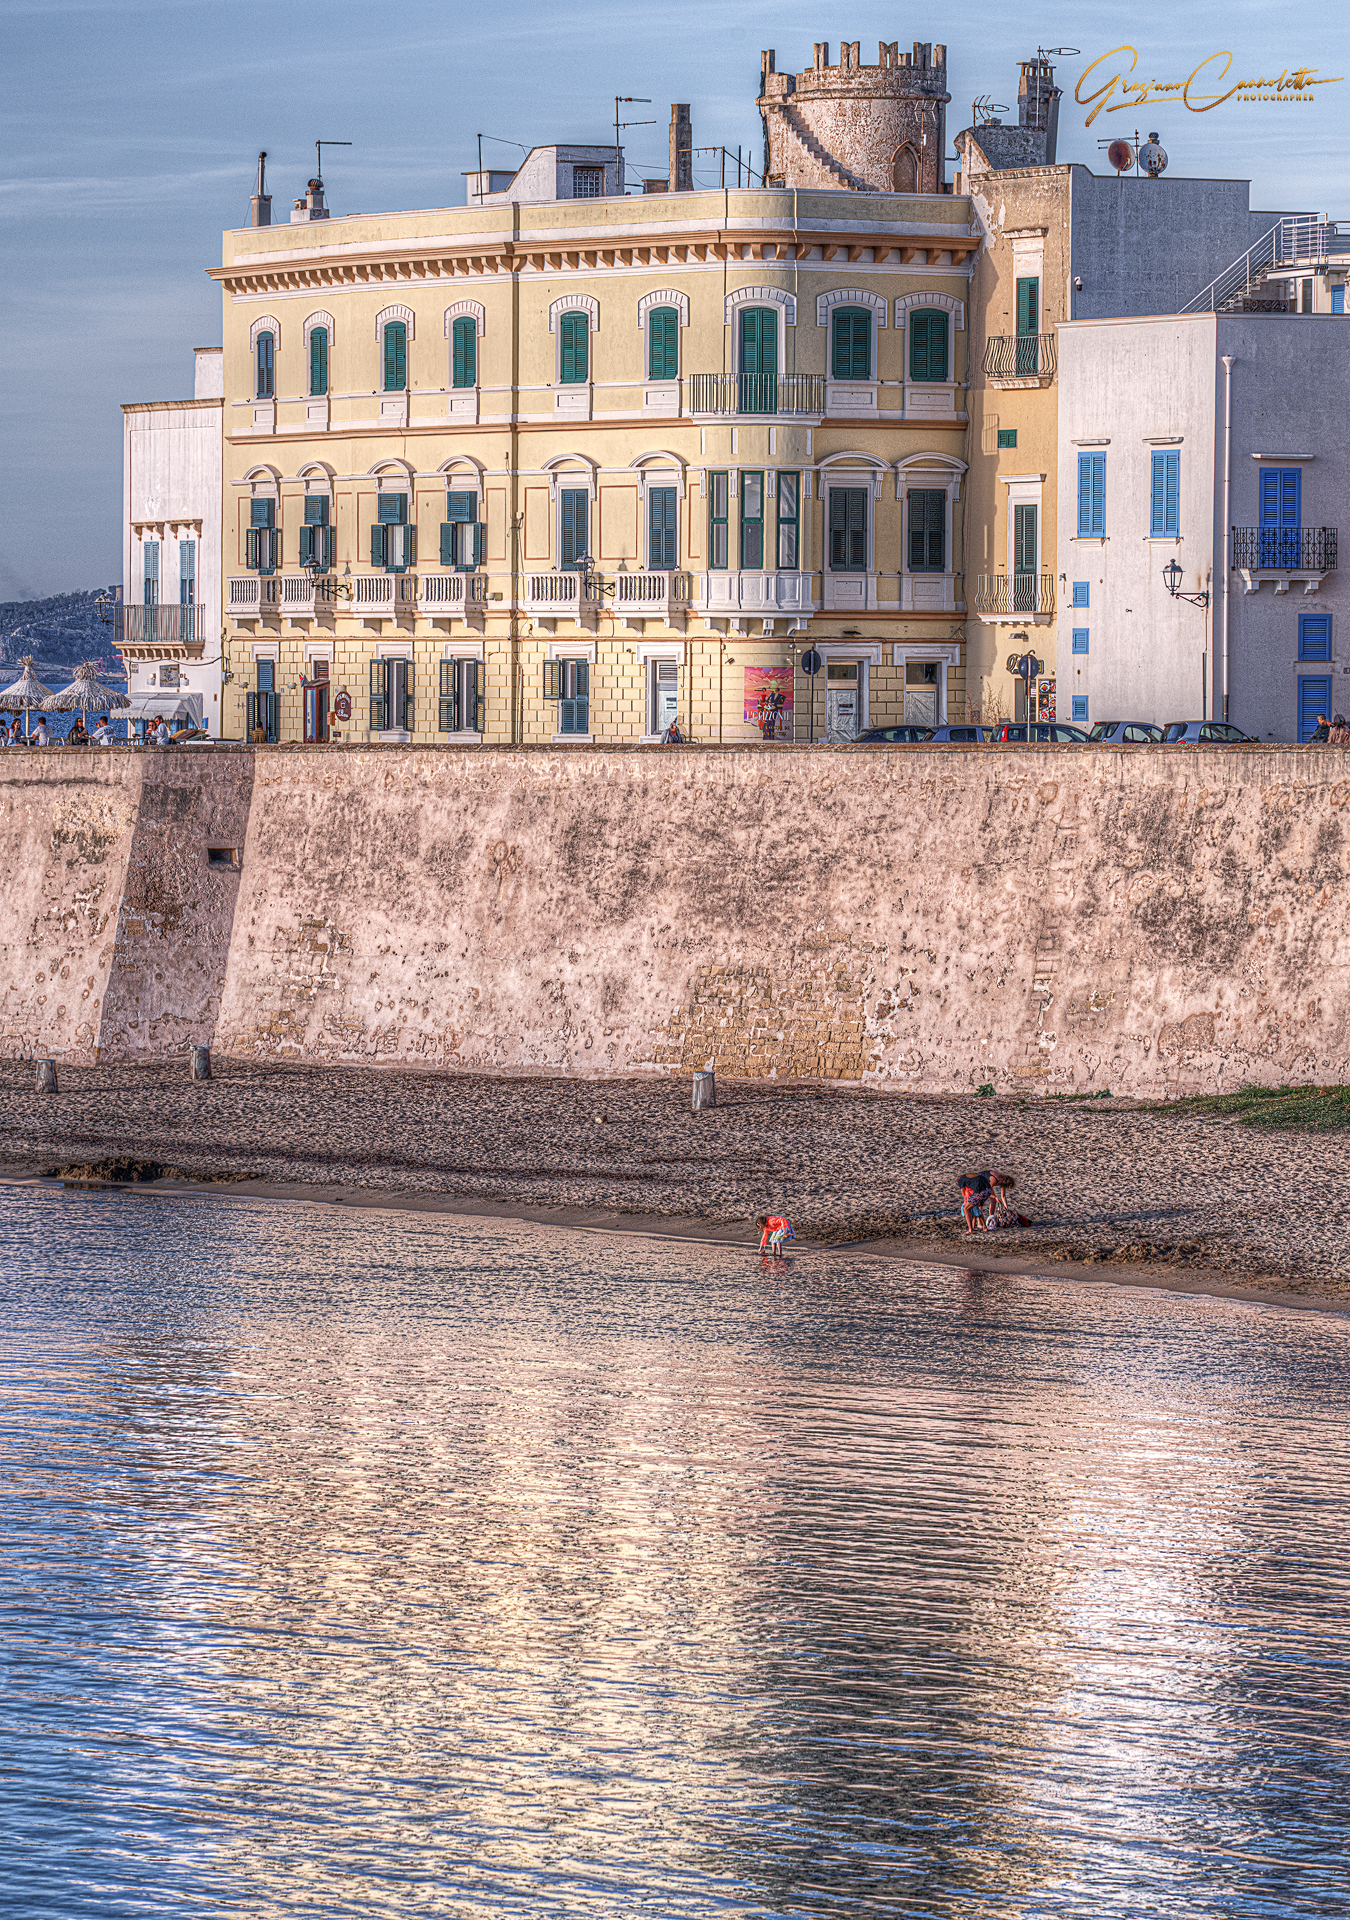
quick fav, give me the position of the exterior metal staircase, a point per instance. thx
(1291, 246)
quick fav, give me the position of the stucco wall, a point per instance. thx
(1147, 921)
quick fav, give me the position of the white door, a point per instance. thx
(665, 694)
(843, 708)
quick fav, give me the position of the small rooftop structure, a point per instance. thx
(549, 173)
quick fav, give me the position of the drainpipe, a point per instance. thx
(1227, 494)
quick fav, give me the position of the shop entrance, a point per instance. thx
(843, 701)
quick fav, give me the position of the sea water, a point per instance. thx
(372, 1563)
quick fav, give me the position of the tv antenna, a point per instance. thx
(627, 100)
(983, 110)
(319, 146)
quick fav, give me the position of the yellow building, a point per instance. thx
(570, 466)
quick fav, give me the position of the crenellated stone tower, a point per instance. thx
(880, 129)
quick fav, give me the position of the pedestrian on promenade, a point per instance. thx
(160, 737)
(774, 1229)
(102, 736)
(1321, 733)
(1339, 736)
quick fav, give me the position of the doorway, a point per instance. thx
(843, 700)
(1314, 697)
(663, 695)
(316, 704)
(921, 693)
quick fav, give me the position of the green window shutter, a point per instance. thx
(266, 357)
(391, 509)
(927, 529)
(445, 722)
(848, 529)
(261, 512)
(318, 360)
(377, 546)
(479, 542)
(789, 493)
(717, 520)
(552, 680)
(574, 349)
(662, 555)
(461, 506)
(409, 702)
(306, 545)
(252, 720)
(1024, 540)
(663, 344)
(395, 356)
(448, 543)
(316, 510)
(851, 355)
(574, 505)
(1029, 306)
(379, 705)
(927, 344)
(464, 351)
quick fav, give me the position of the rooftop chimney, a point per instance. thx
(681, 151)
(1038, 102)
(311, 207)
(262, 200)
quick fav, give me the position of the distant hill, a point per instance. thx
(59, 633)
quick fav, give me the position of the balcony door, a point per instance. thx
(759, 360)
(1028, 326)
(1281, 516)
(1026, 559)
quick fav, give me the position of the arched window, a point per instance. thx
(927, 344)
(851, 350)
(395, 356)
(905, 170)
(464, 352)
(318, 360)
(265, 355)
(574, 349)
(663, 343)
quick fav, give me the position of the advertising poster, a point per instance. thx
(1045, 694)
(768, 701)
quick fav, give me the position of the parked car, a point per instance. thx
(963, 736)
(894, 736)
(1044, 733)
(1125, 733)
(1206, 733)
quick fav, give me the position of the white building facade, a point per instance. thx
(169, 622)
(1202, 467)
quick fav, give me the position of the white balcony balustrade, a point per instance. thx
(769, 593)
(551, 597)
(643, 596)
(452, 596)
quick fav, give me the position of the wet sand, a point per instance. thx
(1118, 1190)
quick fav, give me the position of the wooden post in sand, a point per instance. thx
(46, 1076)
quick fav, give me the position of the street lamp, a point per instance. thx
(1172, 581)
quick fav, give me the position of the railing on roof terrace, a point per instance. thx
(1290, 243)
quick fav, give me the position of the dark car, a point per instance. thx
(1044, 733)
(1206, 733)
(1125, 733)
(962, 736)
(894, 736)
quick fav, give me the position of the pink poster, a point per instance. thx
(768, 701)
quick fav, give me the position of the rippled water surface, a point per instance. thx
(372, 1563)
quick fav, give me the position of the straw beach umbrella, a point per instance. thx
(85, 694)
(27, 692)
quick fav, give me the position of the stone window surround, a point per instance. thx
(462, 309)
(319, 318)
(850, 297)
(574, 303)
(265, 323)
(667, 297)
(867, 654)
(382, 319)
(666, 470)
(928, 653)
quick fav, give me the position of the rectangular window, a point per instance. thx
(1080, 706)
(464, 352)
(462, 535)
(395, 356)
(575, 503)
(851, 353)
(264, 714)
(1314, 636)
(1007, 436)
(391, 696)
(848, 529)
(569, 683)
(1080, 593)
(574, 349)
(588, 183)
(1092, 496)
(316, 536)
(260, 541)
(718, 490)
(758, 385)
(789, 508)
(927, 529)
(1280, 513)
(1080, 639)
(664, 695)
(1164, 518)
(150, 561)
(318, 360)
(663, 344)
(1029, 306)
(1338, 299)
(1024, 541)
(187, 572)
(393, 542)
(461, 701)
(927, 344)
(663, 530)
(266, 356)
(752, 521)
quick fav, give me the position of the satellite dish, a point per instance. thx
(1121, 155)
(1152, 158)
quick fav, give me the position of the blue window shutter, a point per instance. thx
(1156, 497)
(1080, 639)
(1291, 488)
(461, 506)
(391, 509)
(574, 503)
(260, 513)
(1269, 509)
(1086, 526)
(1314, 636)
(378, 685)
(1099, 495)
(1081, 593)
(306, 545)
(1172, 469)
(316, 510)
(1314, 697)
(1080, 706)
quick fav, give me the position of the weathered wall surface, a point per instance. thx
(1151, 920)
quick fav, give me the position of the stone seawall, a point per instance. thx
(1068, 919)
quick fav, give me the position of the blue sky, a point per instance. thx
(134, 125)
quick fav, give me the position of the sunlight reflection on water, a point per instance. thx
(374, 1563)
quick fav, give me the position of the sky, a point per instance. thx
(133, 128)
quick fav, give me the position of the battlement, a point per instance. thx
(856, 127)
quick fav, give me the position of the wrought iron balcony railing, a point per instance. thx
(1020, 356)
(1015, 593)
(774, 393)
(1299, 549)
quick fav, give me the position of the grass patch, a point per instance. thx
(1308, 1109)
(1103, 1093)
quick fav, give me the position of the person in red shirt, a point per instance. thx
(774, 1229)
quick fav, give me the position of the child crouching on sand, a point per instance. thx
(774, 1229)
